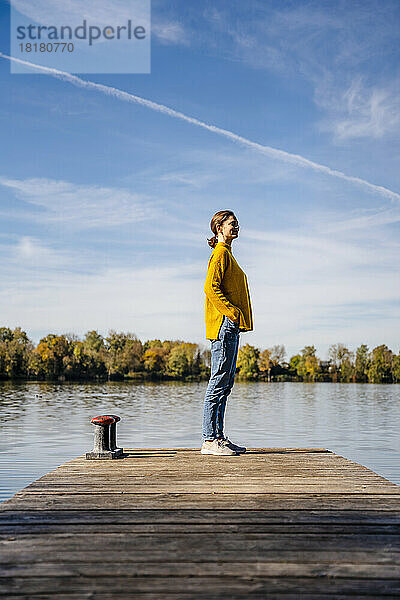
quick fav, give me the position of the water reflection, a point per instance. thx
(45, 424)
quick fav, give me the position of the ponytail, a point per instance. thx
(213, 241)
(217, 220)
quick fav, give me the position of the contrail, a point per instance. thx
(295, 159)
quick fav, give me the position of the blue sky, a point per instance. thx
(105, 204)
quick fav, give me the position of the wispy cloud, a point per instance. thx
(81, 206)
(269, 151)
(193, 179)
(367, 219)
(33, 251)
(27, 256)
(361, 111)
(169, 32)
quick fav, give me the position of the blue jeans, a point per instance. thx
(223, 366)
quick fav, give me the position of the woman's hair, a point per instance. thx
(218, 219)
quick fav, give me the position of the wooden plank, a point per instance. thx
(102, 595)
(281, 477)
(202, 585)
(211, 487)
(270, 470)
(305, 556)
(243, 501)
(201, 516)
(227, 478)
(206, 528)
(203, 569)
(195, 545)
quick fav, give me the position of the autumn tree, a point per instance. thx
(265, 364)
(152, 344)
(247, 362)
(94, 350)
(177, 362)
(341, 360)
(396, 368)
(123, 353)
(15, 351)
(361, 363)
(308, 367)
(50, 355)
(293, 366)
(6, 334)
(93, 342)
(5, 337)
(380, 366)
(154, 360)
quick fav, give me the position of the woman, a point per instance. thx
(228, 311)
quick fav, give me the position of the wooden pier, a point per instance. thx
(274, 523)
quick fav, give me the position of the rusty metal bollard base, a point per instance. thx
(107, 455)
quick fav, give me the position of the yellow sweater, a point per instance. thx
(227, 292)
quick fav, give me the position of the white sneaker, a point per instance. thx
(217, 447)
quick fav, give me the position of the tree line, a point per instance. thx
(122, 355)
(379, 365)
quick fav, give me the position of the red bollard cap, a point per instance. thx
(103, 420)
(116, 418)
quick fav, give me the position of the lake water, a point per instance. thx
(46, 424)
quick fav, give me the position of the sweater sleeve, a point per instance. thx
(212, 286)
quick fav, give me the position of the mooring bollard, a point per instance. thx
(104, 438)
